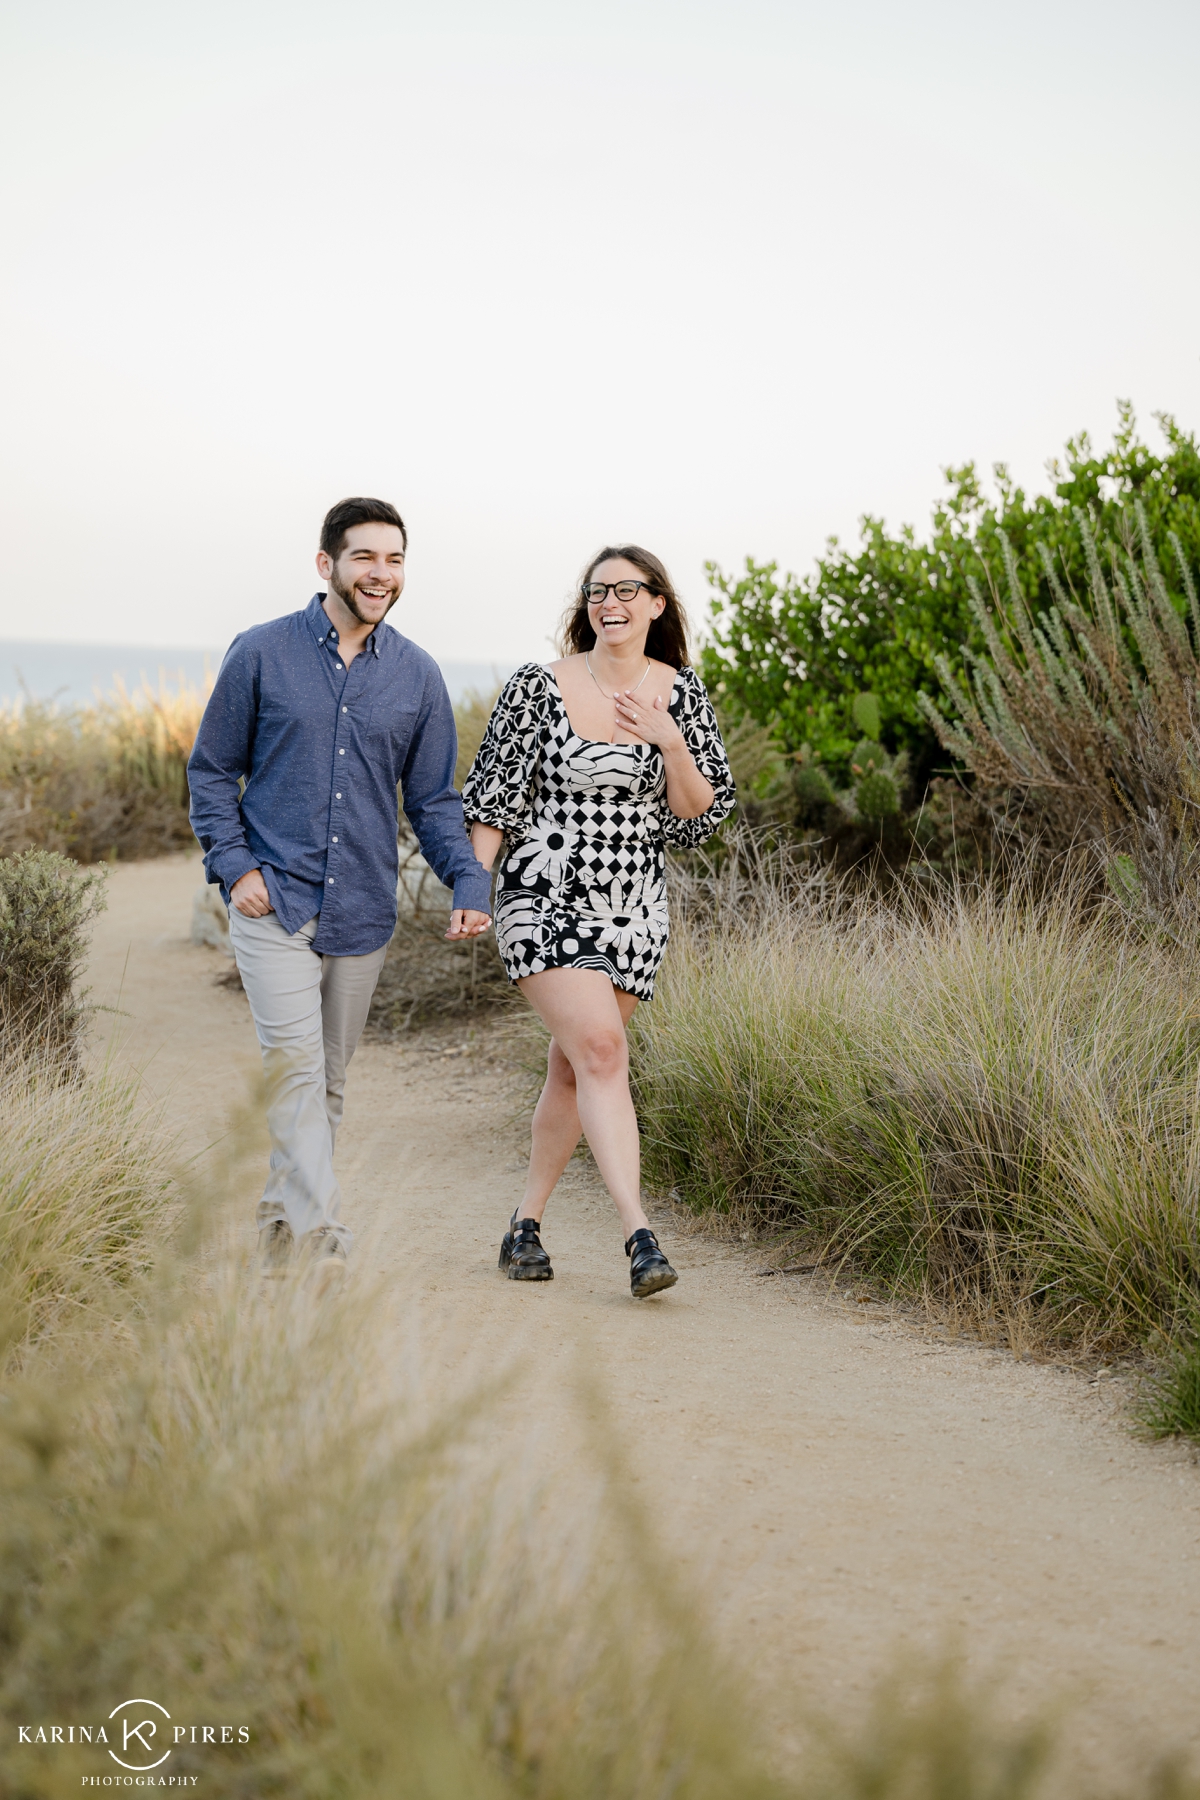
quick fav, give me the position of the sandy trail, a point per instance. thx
(842, 1483)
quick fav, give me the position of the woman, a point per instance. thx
(587, 771)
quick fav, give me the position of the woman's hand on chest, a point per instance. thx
(594, 711)
(646, 718)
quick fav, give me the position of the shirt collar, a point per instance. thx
(318, 623)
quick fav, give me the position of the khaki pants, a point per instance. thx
(309, 1012)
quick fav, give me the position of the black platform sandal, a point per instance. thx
(522, 1254)
(649, 1270)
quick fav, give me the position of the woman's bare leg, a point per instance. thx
(587, 1089)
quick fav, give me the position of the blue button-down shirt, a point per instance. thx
(322, 747)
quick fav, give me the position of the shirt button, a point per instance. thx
(345, 709)
(341, 753)
(331, 881)
(339, 665)
(335, 840)
(337, 796)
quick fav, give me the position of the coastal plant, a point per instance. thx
(1084, 717)
(86, 1194)
(1170, 1401)
(889, 616)
(101, 781)
(373, 1600)
(47, 904)
(988, 1097)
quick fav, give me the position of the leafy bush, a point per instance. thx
(990, 1100)
(798, 652)
(46, 905)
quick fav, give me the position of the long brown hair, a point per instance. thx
(666, 641)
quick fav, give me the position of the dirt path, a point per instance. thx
(842, 1483)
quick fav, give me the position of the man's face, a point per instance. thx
(368, 576)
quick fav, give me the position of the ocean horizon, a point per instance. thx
(77, 674)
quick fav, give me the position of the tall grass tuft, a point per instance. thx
(1170, 1405)
(989, 1097)
(86, 1192)
(101, 781)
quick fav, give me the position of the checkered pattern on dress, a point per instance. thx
(586, 825)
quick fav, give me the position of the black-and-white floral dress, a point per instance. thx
(586, 825)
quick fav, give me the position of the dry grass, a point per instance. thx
(989, 1098)
(101, 781)
(334, 1561)
(424, 978)
(248, 1501)
(85, 1194)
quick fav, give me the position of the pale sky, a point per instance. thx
(715, 277)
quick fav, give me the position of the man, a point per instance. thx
(321, 714)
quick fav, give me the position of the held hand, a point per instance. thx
(649, 720)
(465, 923)
(250, 895)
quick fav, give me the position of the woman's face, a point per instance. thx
(618, 623)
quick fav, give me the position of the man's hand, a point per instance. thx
(251, 898)
(464, 923)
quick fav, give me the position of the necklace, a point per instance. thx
(613, 697)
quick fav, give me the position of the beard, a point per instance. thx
(349, 600)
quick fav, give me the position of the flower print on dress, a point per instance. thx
(630, 916)
(547, 850)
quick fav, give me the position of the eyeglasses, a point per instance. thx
(596, 591)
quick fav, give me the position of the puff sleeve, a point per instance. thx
(692, 711)
(498, 787)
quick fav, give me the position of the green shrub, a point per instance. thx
(47, 904)
(871, 627)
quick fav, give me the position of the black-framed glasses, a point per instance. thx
(595, 591)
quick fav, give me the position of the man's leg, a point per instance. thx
(282, 978)
(347, 984)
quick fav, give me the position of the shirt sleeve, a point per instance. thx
(498, 788)
(432, 804)
(220, 758)
(698, 722)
